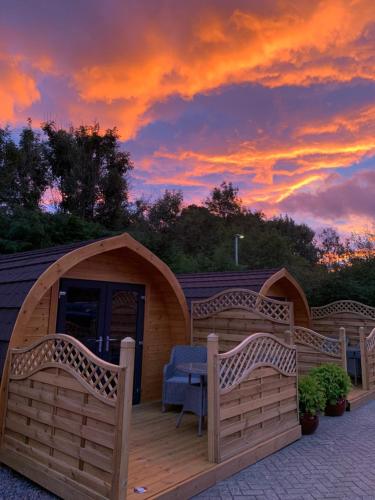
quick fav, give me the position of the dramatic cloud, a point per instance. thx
(17, 88)
(274, 95)
(339, 198)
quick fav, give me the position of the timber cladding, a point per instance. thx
(166, 314)
(367, 345)
(64, 419)
(235, 314)
(256, 395)
(314, 349)
(344, 313)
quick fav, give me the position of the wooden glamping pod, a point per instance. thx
(99, 293)
(237, 312)
(276, 284)
(67, 415)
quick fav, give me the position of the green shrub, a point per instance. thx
(312, 397)
(334, 380)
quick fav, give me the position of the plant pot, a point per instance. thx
(309, 423)
(337, 409)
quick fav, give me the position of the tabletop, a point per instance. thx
(193, 368)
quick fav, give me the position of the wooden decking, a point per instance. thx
(161, 456)
(172, 463)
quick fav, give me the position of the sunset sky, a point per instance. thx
(276, 96)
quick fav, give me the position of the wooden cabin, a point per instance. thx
(67, 414)
(276, 284)
(98, 292)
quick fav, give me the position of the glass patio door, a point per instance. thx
(100, 314)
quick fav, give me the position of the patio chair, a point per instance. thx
(174, 381)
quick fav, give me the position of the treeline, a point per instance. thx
(59, 186)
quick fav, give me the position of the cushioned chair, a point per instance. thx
(174, 381)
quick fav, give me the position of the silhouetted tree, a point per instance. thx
(224, 201)
(24, 172)
(163, 213)
(90, 171)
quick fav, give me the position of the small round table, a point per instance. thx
(199, 369)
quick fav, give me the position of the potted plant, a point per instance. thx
(312, 399)
(336, 384)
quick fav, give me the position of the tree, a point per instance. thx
(90, 171)
(164, 212)
(224, 201)
(24, 172)
(301, 236)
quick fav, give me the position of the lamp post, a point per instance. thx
(236, 238)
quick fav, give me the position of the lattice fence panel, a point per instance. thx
(242, 299)
(343, 306)
(257, 394)
(64, 351)
(314, 349)
(370, 359)
(344, 313)
(235, 314)
(260, 349)
(63, 418)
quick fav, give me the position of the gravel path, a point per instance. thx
(337, 462)
(13, 486)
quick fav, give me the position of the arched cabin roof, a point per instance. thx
(276, 283)
(25, 277)
(198, 286)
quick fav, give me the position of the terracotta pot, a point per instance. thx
(309, 423)
(337, 409)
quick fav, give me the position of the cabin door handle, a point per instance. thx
(107, 341)
(100, 342)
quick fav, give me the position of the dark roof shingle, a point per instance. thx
(197, 286)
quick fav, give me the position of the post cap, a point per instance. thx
(127, 342)
(212, 337)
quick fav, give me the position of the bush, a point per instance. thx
(334, 380)
(312, 396)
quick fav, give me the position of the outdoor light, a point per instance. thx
(236, 238)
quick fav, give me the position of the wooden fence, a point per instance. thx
(367, 345)
(66, 418)
(344, 313)
(234, 314)
(252, 397)
(314, 349)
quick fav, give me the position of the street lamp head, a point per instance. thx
(240, 236)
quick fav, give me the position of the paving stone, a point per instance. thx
(336, 463)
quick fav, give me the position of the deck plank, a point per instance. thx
(161, 455)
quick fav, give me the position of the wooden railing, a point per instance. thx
(252, 394)
(367, 346)
(314, 349)
(66, 417)
(234, 314)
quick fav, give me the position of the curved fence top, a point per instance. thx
(343, 306)
(260, 349)
(370, 340)
(327, 345)
(239, 298)
(67, 353)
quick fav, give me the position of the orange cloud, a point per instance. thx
(298, 44)
(18, 90)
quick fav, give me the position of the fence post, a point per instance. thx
(362, 345)
(342, 336)
(125, 402)
(288, 337)
(212, 397)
